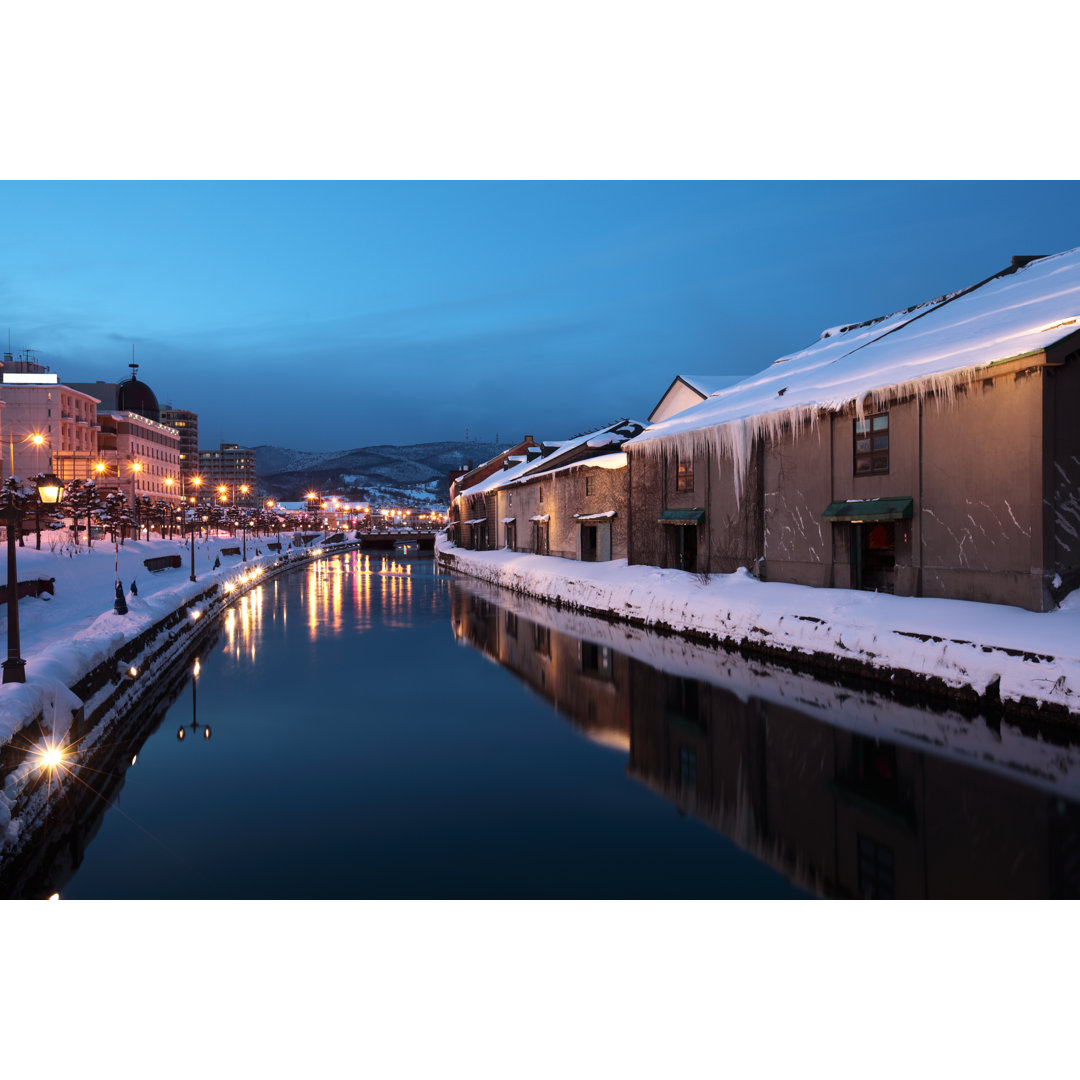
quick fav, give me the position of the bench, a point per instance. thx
(29, 588)
(230, 551)
(163, 562)
(274, 547)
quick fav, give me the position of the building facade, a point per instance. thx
(233, 468)
(138, 456)
(187, 425)
(566, 498)
(961, 480)
(45, 425)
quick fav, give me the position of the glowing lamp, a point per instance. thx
(50, 489)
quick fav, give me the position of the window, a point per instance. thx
(684, 475)
(687, 768)
(594, 659)
(541, 492)
(877, 869)
(590, 485)
(872, 445)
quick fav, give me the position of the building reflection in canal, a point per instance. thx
(847, 792)
(359, 586)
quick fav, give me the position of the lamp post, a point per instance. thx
(168, 490)
(136, 468)
(181, 733)
(194, 508)
(50, 492)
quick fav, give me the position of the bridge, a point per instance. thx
(388, 539)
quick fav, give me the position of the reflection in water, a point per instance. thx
(86, 781)
(360, 587)
(181, 732)
(847, 792)
(482, 791)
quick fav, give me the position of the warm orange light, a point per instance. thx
(169, 481)
(37, 439)
(50, 757)
(244, 489)
(221, 489)
(196, 480)
(99, 467)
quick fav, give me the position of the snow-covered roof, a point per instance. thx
(565, 452)
(711, 384)
(1015, 313)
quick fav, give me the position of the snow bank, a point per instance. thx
(1029, 657)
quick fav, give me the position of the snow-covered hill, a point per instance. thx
(416, 475)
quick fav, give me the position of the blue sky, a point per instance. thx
(331, 315)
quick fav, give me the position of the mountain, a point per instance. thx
(410, 475)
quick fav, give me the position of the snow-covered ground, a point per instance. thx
(65, 635)
(968, 646)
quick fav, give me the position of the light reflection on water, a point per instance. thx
(374, 749)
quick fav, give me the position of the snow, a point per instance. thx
(922, 350)
(969, 646)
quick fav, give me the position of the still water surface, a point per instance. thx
(379, 729)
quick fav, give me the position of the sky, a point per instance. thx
(324, 315)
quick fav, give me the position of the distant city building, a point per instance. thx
(187, 424)
(139, 456)
(136, 452)
(45, 426)
(233, 466)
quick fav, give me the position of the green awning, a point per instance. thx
(897, 509)
(693, 516)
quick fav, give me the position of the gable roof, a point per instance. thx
(683, 389)
(1020, 311)
(592, 444)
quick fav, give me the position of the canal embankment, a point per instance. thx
(985, 656)
(89, 666)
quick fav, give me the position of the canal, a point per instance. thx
(370, 727)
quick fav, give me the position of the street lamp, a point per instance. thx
(181, 733)
(136, 468)
(168, 489)
(197, 481)
(50, 492)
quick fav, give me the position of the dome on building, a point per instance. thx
(137, 397)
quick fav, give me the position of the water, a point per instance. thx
(378, 729)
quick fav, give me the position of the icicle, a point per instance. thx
(734, 440)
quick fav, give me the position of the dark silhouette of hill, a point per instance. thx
(417, 474)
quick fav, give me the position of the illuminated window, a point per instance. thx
(684, 475)
(872, 445)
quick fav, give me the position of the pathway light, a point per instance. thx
(50, 492)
